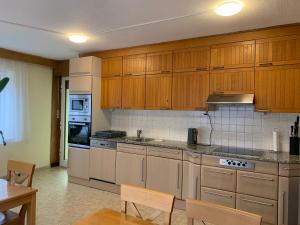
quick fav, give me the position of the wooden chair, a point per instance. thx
(218, 215)
(18, 173)
(149, 198)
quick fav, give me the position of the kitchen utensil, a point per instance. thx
(192, 136)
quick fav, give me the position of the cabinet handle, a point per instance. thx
(218, 67)
(218, 194)
(220, 172)
(257, 202)
(282, 198)
(166, 71)
(127, 74)
(258, 178)
(193, 155)
(143, 169)
(116, 75)
(178, 175)
(201, 69)
(168, 152)
(198, 108)
(266, 64)
(263, 110)
(164, 108)
(126, 107)
(196, 187)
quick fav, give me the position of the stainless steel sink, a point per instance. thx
(142, 139)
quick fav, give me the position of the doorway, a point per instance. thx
(63, 153)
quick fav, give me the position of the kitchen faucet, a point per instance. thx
(138, 133)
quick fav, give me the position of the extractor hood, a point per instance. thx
(220, 98)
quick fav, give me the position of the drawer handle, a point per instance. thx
(143, 169)
(257, 202)
(162, 151)
(220, 172)
(258, 178)
(178, 175)
(192, 155)
(217, 194)
(196, 187)
(283, 204)
(287, 168)
(266, 64)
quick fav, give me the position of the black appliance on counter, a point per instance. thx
(110, 134)
(192, 136)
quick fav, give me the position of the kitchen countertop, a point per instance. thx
(268, 156)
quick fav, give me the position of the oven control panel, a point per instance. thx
(237, 163)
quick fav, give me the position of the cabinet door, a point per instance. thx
(233, 55)
(159, 62)
(81, 83)
(131, 169)
(89, 65)
(134, 65)
(190, 90)
(190, 180)
(192, 59)
(111, 91)
(277, 89)
(164, 175)
(158, 91)
(112, 67)
(103, 164)
(78, 164)
(232, 81)
(219, 197)
(133, 92)
(278, 51)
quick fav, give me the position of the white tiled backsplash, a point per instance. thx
(232, 125)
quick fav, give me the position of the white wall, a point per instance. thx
(236, 126)
(37, 148)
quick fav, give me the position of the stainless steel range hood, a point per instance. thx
(219, 98)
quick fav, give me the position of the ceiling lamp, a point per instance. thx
(78, 38)
(229, 8)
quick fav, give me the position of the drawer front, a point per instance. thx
(265, 207)
(219, 178)
(165, 152)
(289, 170)
(134, 149)
(257, 184)
(192, 157)
(225, 198)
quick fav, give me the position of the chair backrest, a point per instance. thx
(20, 173)
(149, 198)
(218, 215)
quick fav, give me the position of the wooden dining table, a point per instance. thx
(110, 217)
(12, 196)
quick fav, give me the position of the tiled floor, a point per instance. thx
(63, 203)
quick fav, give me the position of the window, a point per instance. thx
(14, 109)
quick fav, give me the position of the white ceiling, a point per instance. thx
(40, 27)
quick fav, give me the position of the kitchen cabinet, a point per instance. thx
(232, 81)
(164, 175)
(191, 59)
(89, 65)
(277, 89)
(81, 83)
(112, 67)
(190, 90)
(278, 51)
(111, 92)
(191, 180)
(232, 55)
(78, 163)
(219, 197)
(158, 91)
(103, 164)
(133, 92)
(134, 65)
(159, 62)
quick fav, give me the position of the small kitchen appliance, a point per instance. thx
(192, 136)
(80, 104)
(110, 134)
(294, 139)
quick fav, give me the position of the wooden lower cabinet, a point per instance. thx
(158, 91)
(131, 169)
(78, 163)
(265, 207)
(190, 180)
(164, 175)
(190, 90)
(133, 92)
(219, 197)
(111, 92)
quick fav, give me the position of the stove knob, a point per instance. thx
(233, 163)
(243, 164)
(239, 164)
(229, 163)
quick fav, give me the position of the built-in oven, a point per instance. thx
(79, 131)
(80, 104)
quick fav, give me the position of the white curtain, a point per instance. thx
(14, 105)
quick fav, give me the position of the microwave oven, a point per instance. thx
(80, 104)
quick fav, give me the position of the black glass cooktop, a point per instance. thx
(239, 151)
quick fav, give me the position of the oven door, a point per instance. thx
(79, 134)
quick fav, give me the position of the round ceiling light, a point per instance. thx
(229, 8)
(78, 38)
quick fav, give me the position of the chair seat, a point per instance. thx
(9, 217)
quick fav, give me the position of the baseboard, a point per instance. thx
(55, 164)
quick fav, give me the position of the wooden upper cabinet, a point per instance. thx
(111, 90)
(159, 62)
(277, 89)
(158, 91)
(278, 51)
(88, 65)
(112, 67)
(192, 59)
(190, 90)
(133, 92)
(232, 81)
(233, 55)
(134, 64)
